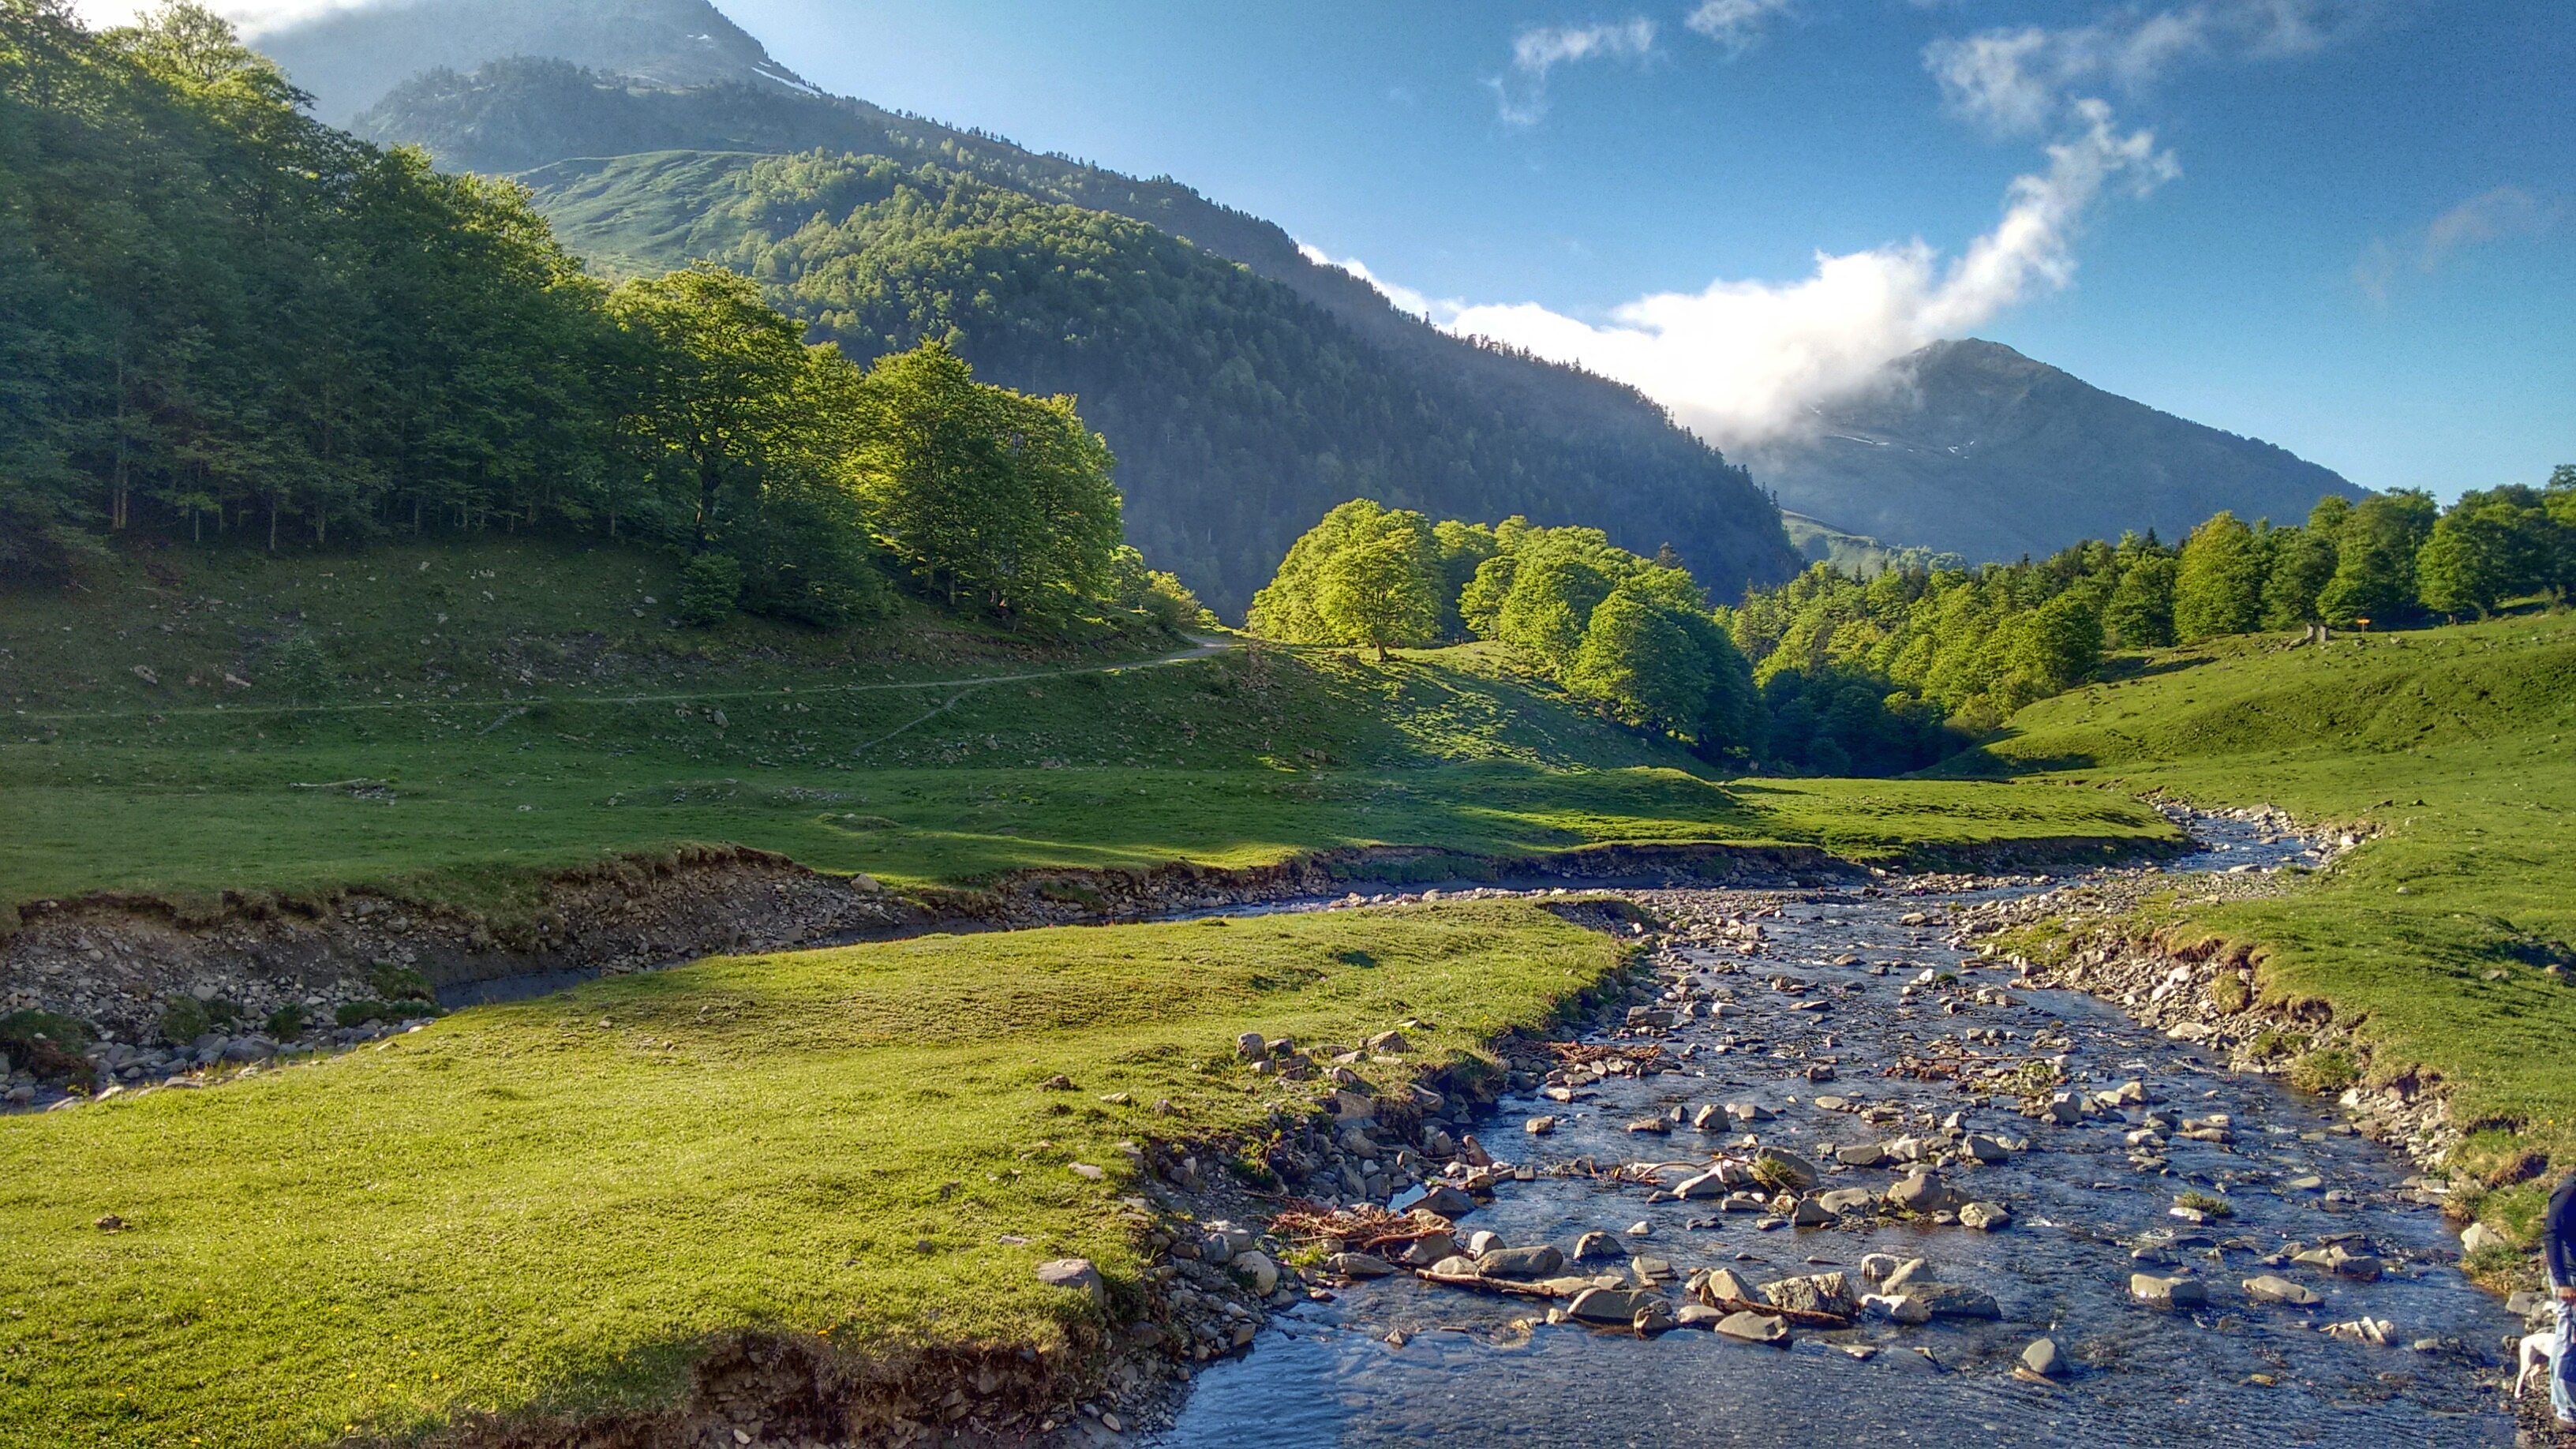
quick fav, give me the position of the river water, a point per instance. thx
(1475, 1369)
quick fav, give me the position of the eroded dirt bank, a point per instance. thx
(115, 960)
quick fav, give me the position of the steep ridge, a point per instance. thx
(349, 58)
(1542, 438)
(1974, 448)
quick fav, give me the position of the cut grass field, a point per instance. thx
(553, 1207)
(448, 719)
(2453, 748)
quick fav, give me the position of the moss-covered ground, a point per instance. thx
(2448, 935)
(552, 1206)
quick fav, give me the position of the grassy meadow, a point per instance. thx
(448, 719)
(2449, 932)
(553, 1206)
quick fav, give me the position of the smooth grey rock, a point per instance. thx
(1896, 1308)
(2157, 1292)
(1455, 1266)
(1876, 1266)
(1950, 1300)
(1707, 1185)
(2043, 1359)
(1922, 1193)
(1697, 1315)
(1985, 1217)
(1754, 1328)
(1862, 1154)
(1653, 1315)
(1428, 1249)
(2271, 1288)
(1077, 1274)
(1256, 1268)
(1604, 1305)
(1903, 1273)
(1722, 1283)
(1846, 1200)
(2477, 1236)
(1782, 1168)
(1536, 1262)
(1446, 1201)
(1360, 1265)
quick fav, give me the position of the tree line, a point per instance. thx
(1632, 635)
(1842, 674)
(224, 321)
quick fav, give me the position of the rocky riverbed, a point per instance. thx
(1850, 1178)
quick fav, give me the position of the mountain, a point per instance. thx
(1245, 389)
(348, 59)
(1972, 448)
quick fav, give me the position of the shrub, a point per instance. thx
(358, 1013)
(46, 1044)
(2215, 1206)
(2232, 991)
(2328, 1070)
(709, 588)
(299, 666)
(2271, 1044)
(20, 1030)
(286, 1023)
(400, 983)
(184, 1018)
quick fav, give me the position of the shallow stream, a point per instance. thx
(1399, 1361)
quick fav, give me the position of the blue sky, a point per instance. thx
(2351, 230)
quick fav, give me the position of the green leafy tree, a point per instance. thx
(2054, 648)
(2375, 558)
(984, 493)
(1291, 607)
(2140, 614)
(2218, 588)
(1640, 662)
(1559, 576)
(1378, 593)
(2303, 563)
(718, 397)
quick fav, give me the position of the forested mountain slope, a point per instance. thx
(1973, 448)
(1484, 433)
(1238, 410)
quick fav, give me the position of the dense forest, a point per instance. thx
(1236, 406)
(1840, 674)
(227, 322)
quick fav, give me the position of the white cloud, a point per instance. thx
(2505, 211)
(2022, 80)
(1521, 92)
(1405, 299)
(1735, 24)
(1742, 361)
(253, 17)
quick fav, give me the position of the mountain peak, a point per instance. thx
(1971, 447)
(350, 59)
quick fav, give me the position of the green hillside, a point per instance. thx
(1237, 409)
(518, 705)
(2450, 932)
